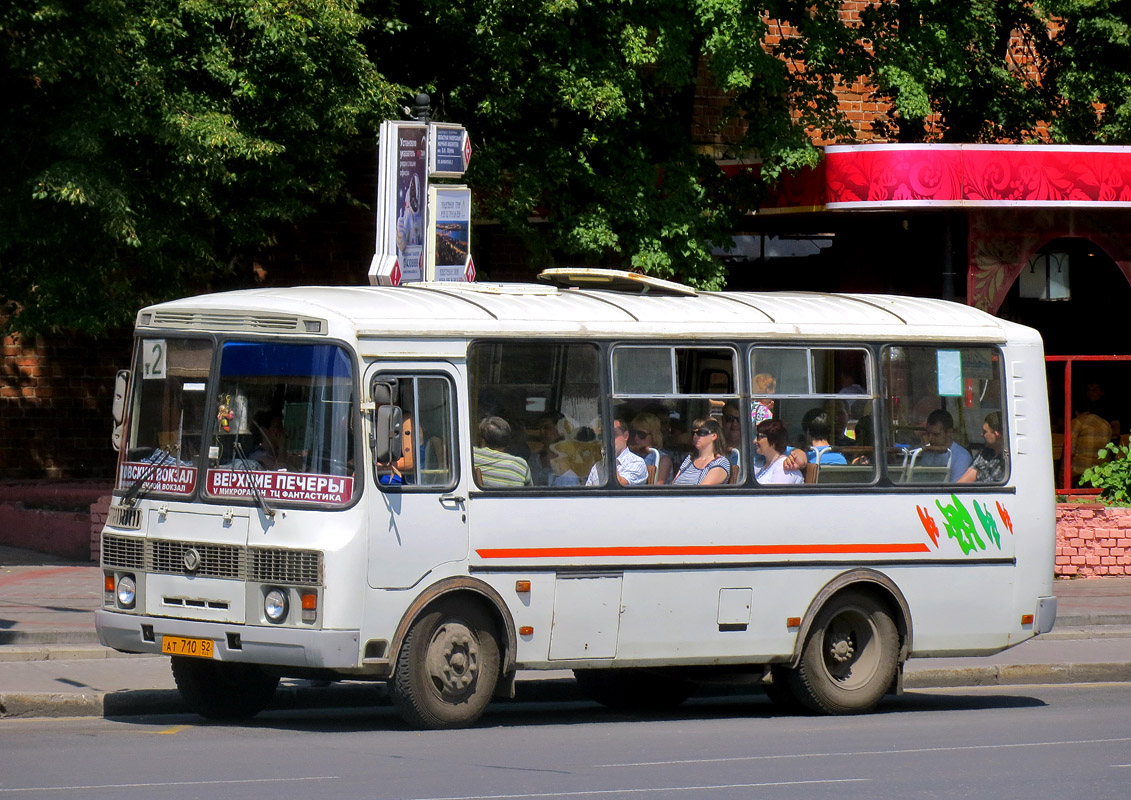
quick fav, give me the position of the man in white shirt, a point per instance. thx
(630, 467)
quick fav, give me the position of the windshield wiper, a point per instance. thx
(267, 510)
(136, 488)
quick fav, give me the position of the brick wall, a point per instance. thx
(55, 395)
(1092, 540)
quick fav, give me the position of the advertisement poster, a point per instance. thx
(402, 185)
(299, 486)
(449, 150)
(412, 184)
(450, 233)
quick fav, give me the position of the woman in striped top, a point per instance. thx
(709, 464)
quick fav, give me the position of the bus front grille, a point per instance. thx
(269, 565)
(258, 564)
(123, 552)
(124, 517)
(210, 560)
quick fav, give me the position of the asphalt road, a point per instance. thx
(997, 743)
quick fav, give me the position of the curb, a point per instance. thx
(144, 702)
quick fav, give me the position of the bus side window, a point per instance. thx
(824, 397)
(426, 459)
(938, 399)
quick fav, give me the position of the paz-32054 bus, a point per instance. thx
(434, 485)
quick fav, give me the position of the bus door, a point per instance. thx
(418, 519)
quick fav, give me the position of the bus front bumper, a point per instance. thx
(253, 644)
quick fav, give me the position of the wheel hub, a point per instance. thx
(842, 647)
(453, 659)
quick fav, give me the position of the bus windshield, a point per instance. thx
(166, 415)
(283, 419)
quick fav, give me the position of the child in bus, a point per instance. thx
(818, 429)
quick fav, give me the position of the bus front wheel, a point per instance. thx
(447, 668)
(223, 690)
(849, 658)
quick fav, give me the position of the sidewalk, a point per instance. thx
(52, 665)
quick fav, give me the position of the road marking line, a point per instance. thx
(869, 752)
(172, 730)
(591, 792)
(167, 783)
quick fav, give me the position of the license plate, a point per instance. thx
(182, 646)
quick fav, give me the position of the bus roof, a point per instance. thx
(490, 309)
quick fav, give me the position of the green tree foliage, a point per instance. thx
(582, 114)
(1090, 77)
(148, 145)
(974, 64)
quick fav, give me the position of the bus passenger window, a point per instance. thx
(535, 414)
(661, 391)
(821, 397)
(940, 401)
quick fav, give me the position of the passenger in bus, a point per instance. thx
(732, 432)
(865, 437)
(761, 407)
(939, 433)
(494, 466)
(272, 440)
(541, 466)
(989, 465)
(818, 429)
(646, 439)
(709, 464)
(771, 445)
(631, 469)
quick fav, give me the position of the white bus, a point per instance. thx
(413, 485)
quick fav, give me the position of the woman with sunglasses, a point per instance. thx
(708, 464)
(771, 445)
(646, 439)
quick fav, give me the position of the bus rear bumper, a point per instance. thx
(289, 647)
(1045, 616)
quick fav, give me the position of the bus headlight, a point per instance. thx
(127, 591)
(275, 605)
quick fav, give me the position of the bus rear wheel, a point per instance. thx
(447, 668)
(633, 689)
(223, 690)
(849, 658)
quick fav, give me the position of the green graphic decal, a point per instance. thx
(989, 524)
(960, 526)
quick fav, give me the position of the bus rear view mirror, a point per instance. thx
(388, 421)
(388, 435)
(118, 407)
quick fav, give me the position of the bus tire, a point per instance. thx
(633, 689)
(447, 667)
(223, 690)
(849, 658)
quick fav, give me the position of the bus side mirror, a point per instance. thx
(388, 435)
(118, 407)
(388, 422)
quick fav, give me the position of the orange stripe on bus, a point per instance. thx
(707, 550)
